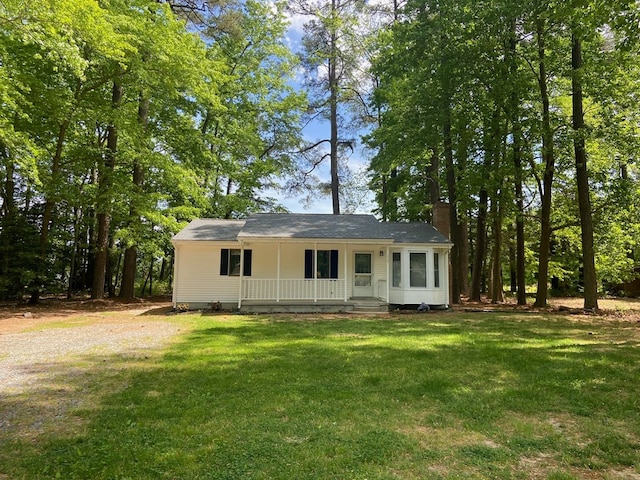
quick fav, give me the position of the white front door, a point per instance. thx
(362, 275)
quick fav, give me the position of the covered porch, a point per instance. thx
(299, 272)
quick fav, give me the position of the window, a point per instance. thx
(323, 268)
(230, 262)
(436, 270)
(326, 264)
(418, 270)
(396, 270)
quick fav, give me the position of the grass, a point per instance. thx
(434, 396)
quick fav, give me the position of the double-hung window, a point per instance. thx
(325, 264)
(230, 262)
(418, 270)
(396, 269)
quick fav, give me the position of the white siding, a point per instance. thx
(197, 274)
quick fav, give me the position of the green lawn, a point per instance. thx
(438, 395)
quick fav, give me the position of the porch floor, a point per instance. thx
(353, 305)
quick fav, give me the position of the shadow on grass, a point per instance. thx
(419, 397)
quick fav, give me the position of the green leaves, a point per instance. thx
(206, 112)
(468, 76)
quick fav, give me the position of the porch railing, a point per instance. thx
(292, 289)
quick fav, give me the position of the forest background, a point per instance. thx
(122, 120)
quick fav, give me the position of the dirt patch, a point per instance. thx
(20, 318)
(610, 308)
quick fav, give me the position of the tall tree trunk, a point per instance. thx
(582, 178)
(131, 253)
(497, 292)
(520, 274)
(462, 234)
(103, 215)
(49, 204)
(464, 255)
(74, 254)
(7, 210)
(433, 179)
(55, 172)
(453, 207)
(549, 162)
(8, 198)
(385, 214)
(333, 101)
(148, 278)
(111, 271)
(520, 263)
(491, 151)
(392, 196)
(481, 242)
(513, 284)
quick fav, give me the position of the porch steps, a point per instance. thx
(369, 306)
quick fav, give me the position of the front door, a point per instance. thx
(362, 278)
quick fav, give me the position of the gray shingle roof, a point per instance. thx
(211, 229)
(414, 232)
(313, 226)
(310, 226)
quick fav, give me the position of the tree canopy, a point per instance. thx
(121, 120)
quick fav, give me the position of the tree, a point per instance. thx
(480, 90)
(330, 56)
(109, 139)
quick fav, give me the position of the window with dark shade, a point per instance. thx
(230, 262)
(436, 270)
(234, 262)
(326, 264)
(308, 264)
(322, 270)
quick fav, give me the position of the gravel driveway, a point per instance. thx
(27, 358)
(47, 371)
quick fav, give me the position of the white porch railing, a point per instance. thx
(292, 289)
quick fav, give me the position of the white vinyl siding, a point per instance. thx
(197, 275)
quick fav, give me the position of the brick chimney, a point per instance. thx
(441, 218)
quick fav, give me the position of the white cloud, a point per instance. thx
(296, 22)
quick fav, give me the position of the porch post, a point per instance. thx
(278, 276)
(241, 274)
(346, 273)
(315, 272)
(389, 274)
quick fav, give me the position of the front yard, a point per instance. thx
(407, 396)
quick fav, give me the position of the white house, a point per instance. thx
(309, 262)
